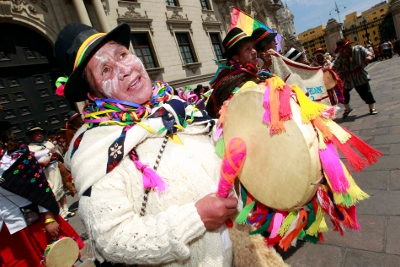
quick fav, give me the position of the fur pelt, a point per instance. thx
(250, 250)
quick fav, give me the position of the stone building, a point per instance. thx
(288, 30)
(177, 40)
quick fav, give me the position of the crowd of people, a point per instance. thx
(138, 140)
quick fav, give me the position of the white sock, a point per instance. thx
(371, 106)
(347, 106)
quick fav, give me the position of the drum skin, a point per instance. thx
(281, 170)
(63, 253)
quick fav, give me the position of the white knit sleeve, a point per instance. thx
(120, 235)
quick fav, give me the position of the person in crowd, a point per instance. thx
(265, 44)
(29, 218)
(386, 50)
(201, 99)
(350, 65)
(48, 158)
(147, 183)
(397, 46)
(241, 67)
(319, 59)
(74, 122)
(297, 56)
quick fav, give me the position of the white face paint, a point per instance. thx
(116, 73)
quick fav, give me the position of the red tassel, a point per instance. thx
(368, 152)
(357, 162)
(329, 209)
(270, 242)
(347, 221)
(352, 212)
(285, 111)
(321, 238)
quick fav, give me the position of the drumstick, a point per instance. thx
(232, 163)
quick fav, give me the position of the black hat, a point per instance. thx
(71, 115)
(262, 38)
(74, 46)
(232, 39)
(4, 125)
(34, 129)
(293, 54)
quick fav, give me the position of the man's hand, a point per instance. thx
(52, 229)
(214, 210)
(368, 59)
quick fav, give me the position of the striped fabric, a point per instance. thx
(346, 67)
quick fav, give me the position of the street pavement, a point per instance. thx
(377, 244)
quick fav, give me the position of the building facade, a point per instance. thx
(313, 39)
(177, 41)
(288, 30)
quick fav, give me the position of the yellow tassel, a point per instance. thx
(309, 109)
(337, 131)
(175, 138)
(323, 227)
(337, 197)
(313, 230)
(321, 143)
(354, 191)
(287, 223)
(247, 85)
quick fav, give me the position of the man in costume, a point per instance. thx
(350, 65)
(48, 157)
(74, 122)
(320, 59)
(29, 218)
(146, 171)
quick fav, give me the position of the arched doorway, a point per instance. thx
(27, 74)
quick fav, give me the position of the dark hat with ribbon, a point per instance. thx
(75, 45)
(232, 40)
(71, 115)
(340, 44)
(293, 54)
(262, 38)
(319, 51)
(34, 129)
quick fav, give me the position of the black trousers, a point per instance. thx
(364, 92)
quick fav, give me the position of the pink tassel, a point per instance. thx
(276, 223)
(333, 168)
(352, 212)
(266, 103)
(285, 111)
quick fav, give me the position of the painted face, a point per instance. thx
(247, 53)
(37, 136)
(116, 73)
(345, 51)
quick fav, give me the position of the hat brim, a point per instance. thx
(228, 52)
(266, 41)
(337, 49)
(29, 133)
(75, 90)
(5, 125)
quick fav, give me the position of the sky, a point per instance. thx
(311, 13)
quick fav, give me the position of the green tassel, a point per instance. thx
(311, 215)
(311, 239)
(347, 200)
(242, 217)
(301, 235)
(220, 148)
(263, 227)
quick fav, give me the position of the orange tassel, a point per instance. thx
(347, 220)
(326, 132)
(277, 126)
(301, 223)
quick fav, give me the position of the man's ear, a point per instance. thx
(91, 96)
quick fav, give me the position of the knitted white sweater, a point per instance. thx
(171, 233)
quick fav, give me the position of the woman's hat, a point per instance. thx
(232, 39)
(262, 38)
(319, 51)
(74, 46)
(340, 44)
(34, 129)
(293, 54)
(71, 115)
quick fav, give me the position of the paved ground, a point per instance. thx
(377, 244)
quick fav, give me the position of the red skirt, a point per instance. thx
(26, 247)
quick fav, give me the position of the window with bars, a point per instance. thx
(204, 4)
(185, 48)
(143, 49)
(172, 2)
(216, 44)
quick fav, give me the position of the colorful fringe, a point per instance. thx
(336, 195)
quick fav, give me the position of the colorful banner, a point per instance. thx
(244, 21)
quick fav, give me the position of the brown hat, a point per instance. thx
(319, 51)
(340, 44)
